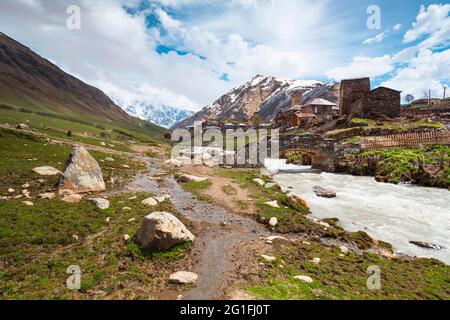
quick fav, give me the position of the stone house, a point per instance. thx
(357, 100)
(381, 102)
(323, 109)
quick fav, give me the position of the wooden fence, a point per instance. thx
(415, 139)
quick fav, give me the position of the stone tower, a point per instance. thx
(350, 91)
(296, 98)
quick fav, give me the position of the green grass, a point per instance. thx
(21, 152)
(37, 247)
(83, 131)
(196, 188)
(346, 277)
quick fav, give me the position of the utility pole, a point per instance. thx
(445, 88)
(429, 98)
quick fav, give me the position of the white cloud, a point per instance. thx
(429, 20)
(362, 67)
(378, 38)
(397, 27)
(427, 71)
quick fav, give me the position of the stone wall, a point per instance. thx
(350, 91)
(381, 102)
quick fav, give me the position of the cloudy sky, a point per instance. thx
(186, 53)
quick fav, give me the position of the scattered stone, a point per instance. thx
(48, 195)
(126, 166)
(324, 192)
(131, 220)
(297, 200)
(75, 237)
(108, 219)
(224, 224)
(11, 190)
(22, 126)
(183, 277)
(162, 230)
(343, 249)
(180, 297)
(426, 245)
(174, 162)
(26, 186)
(304, 278)
(28, 203)
(109, 159)
(272, 204)
(82, 174)
(163, 198)
(72, 198)
(133, 198)
(126, 209)
(259, 181)
(306, 243)
(102, 144)
(273, 222)
(268, 258)
(126, 237)
(150, 202)
(388, 254)
(270, 185)
(316, 260)
(273, 238)
(46, 171)
(190, 178)
(101, 203)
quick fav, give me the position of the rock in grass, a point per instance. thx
(183, 277)
(316, 260)
(259, 181)
(46, 171)
(324, 192)
(191, 178)
(163, 198)
(126, 237)
(11, 190)
(343, 249)
(150, 202)
(28, 203)
(72, 198)
(426, 245)
(304, 279)
(273, 222)
(268, 258)
(296, 200)
(101, 203)
(273, 204)
(109, 159)
(162, 230)
(48, 195)
(82, 174)
(23, 126)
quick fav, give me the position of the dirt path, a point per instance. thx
(213, 246)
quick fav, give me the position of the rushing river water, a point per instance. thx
(393, 213)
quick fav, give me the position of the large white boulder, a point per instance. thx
(101, 203)
(191, 178)
(183, 277)
(82, 174)
(162, 230)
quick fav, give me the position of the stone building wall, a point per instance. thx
(350, 91)
(381, 102)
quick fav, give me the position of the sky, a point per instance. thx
(187, 53)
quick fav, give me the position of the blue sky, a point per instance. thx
(186, 53)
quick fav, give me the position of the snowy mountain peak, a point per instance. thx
(262, 95)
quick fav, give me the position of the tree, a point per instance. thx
(409, 98)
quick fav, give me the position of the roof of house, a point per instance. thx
(384, 88)
(295, 108)
(320, 102)
(305, 115)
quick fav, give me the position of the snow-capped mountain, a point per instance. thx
(264, 96)
(160, 115)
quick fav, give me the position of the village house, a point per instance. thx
(323, 109)
(357, 100)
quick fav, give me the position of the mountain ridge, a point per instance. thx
(262, 96)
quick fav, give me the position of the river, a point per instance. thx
(393, 213)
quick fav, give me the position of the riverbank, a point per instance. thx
(428, 166)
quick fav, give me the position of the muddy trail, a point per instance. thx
(222, 231)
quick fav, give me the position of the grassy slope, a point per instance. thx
(37, 244)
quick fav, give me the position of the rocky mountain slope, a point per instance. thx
(29, 81)
(264, 96)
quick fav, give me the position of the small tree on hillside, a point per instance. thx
(409, 98)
